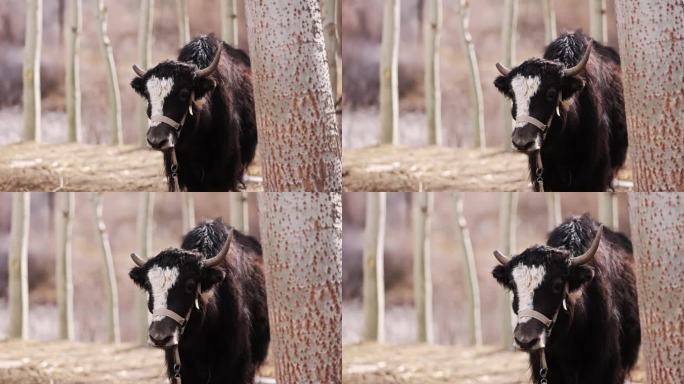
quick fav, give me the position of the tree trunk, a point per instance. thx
(144, 59)
(651, 54)
(31, 70)
(508, 35)
(554, 215)
(373, 268)
(470, 271)
(18, 266)
(422, 275)
(389, 73)
(183, 22)
(550, 30)
(238, 208)
(508, 217)
(73, 77)
(300, 145)
(433, 93)
(302, 242)
(187, 212)
(598, 20)
(113, 328)
(608, 209)
(229, 22)
(477, 98)
(330, 34)
(64, 217)
(656, 220)
(145, 227)
(112, 77)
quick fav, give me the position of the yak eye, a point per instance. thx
(184, 94)
(558, 286)
(190, 286)
(551, 94)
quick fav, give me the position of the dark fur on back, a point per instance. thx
(597, 340)
(584, 150)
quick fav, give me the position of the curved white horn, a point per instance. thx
(591, 252)
(138, 71)
(503, 260)
(138, 260)
(504, 71)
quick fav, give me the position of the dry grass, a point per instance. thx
(433, 364)
(75, 363)
(80, 167)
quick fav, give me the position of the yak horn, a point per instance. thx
(504, 71)
(137, 260)
(138, 71)
(208, 263)
(591, 252)
(214, 63)
(501, 258)
(580, 66)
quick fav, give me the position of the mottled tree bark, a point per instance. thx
(31, 70)
(144, 60)
(433, 93)
(389, 73)
(652, 71)
(302, 241)
(73, 76)
(422, 275)
(64, 215)
(508, 35)
(145, 226)
(657, 223)
(332, 42)
(17, 295)
(238, 209)
(508, 216)
(477, 98)
(299, 144)
(112, 77)
(373, 267)
(112, 290)
(470, 272)
(229, 22)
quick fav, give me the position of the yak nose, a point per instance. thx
(525, 139)
(159, 336)
(525, 338)
(159, 137)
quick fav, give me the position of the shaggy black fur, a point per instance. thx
(597, 340)
(218, 142)
(587, 144)
(227, 339)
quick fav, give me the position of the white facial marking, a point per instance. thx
(524, 88)
(527, 279)
(161, 280)
(158, 89)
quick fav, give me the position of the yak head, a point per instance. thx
(542, 278)
(173, 281)
(536, 87)
(171, 89)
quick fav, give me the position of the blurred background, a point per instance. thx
(123, 32)
(361, 35)
(120, 214)
(481, 211)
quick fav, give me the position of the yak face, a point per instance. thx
(535, 87)
(538, 278)
(171, 280)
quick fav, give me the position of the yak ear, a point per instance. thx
(137, 274)
(202, 86)
(138, 84)
(503, 84)
(579, 276)
(500, 273)
(210, 277)
(570, 86)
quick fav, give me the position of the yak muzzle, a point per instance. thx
(161, 137)
(527, 138)
(529, 335)
(163, 333)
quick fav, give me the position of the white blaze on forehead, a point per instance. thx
(158, 89)
(524, 88)
(161, 281)
(527, 279)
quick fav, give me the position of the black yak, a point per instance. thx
(569, 114)
(576, 302)
(208, 305)
(202, 106)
